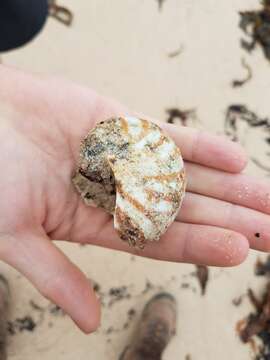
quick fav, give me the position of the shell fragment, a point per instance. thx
(129, 167)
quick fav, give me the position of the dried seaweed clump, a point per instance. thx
(238, 83)
(202, 274)
(182, 117)
(248, 128)
(239, 112)
(256, 24)
(60, 13)
(160, 4)
(257, 323)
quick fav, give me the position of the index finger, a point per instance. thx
(207, 149)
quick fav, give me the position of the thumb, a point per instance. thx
(54, 275)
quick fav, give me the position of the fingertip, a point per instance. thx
(230, 250)
(90, 322)
(216, 247)
(240, 250)
(239, 158)
(223, 153)
(87, 316)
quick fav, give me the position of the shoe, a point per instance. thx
(4, 293)
(156, 328)
(4, 304)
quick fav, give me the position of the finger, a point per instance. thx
(239, 189)
(54, 276)
(196, 244)
(182, 243)
(254, 225)
(196, 145)
(207, 149)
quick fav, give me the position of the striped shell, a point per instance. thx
(129, 167)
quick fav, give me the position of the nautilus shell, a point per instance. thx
(129, 167)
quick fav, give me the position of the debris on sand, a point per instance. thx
(117, 294)
(239, 83)
(56, 310)
(202, 275)
(160, 4)
(256, 24)
(181, 117)
(34, 318)
(148, 287)
(130, 316)
(26, 323)
(262, 268)
(257, 324)
(237, 301)
(237, 112)
(60, 13)
(176, 52)
(239, 117)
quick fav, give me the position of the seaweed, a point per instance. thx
(256, 24)
(238, 112)
(60, 13)
(202, 275)
(262, 268)
(237, 301)
(239, 83)
(176, 52)
(183, 116)
(236, 115)
(117, 294)
(130, 316)
(26, 323)
(160, 4)
(257, 324)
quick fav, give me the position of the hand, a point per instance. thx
(40, 137)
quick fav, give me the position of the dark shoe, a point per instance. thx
(4, 303)
(156, 328)
(4, 293)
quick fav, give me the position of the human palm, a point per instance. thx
(224, 211)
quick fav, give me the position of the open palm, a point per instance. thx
(224, 211)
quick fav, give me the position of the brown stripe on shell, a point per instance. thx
(145, 129)
(128, 230)
(160, 141)
(182, 176)
(164, 177)
(145, 125)
(176, 152)
(134, 202)
(170, 197)
(124, 125)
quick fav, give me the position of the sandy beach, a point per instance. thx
(128, 50)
